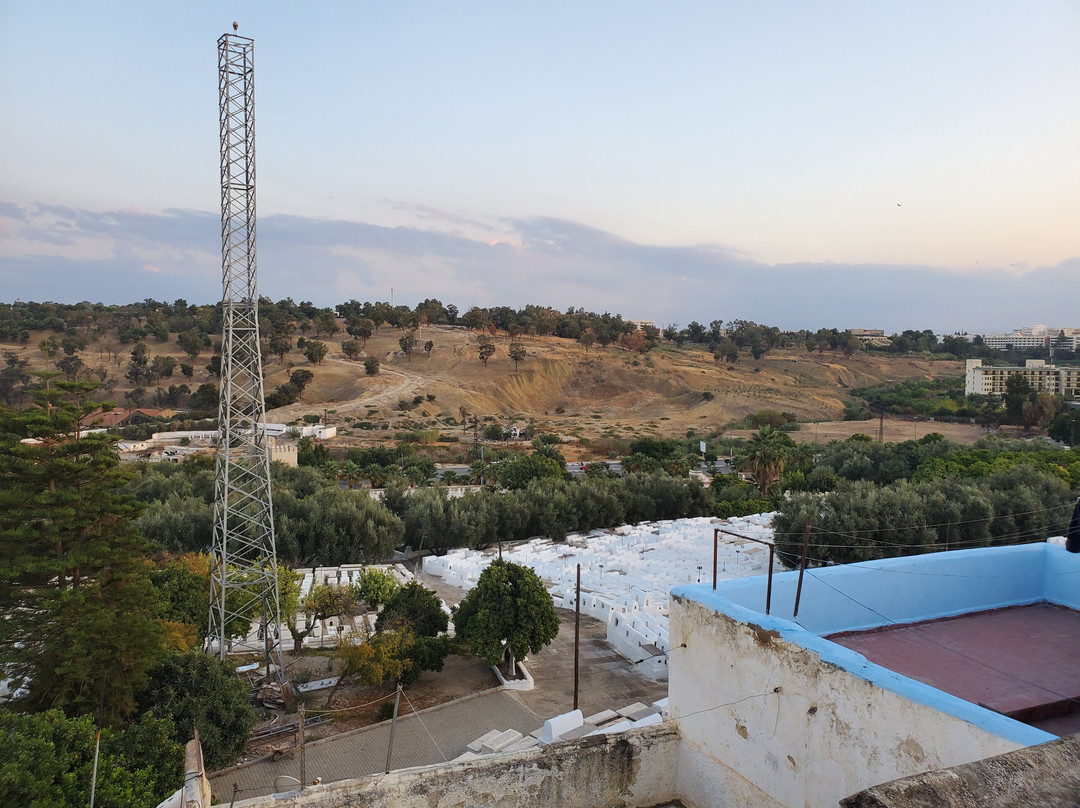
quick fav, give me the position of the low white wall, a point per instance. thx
(610, 771)
(856, 597)
(801, 718)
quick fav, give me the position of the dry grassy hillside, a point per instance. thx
(601, 393)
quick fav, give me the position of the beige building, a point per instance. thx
(990, 381)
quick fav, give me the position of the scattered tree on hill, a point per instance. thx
(351, 348)
(587, 338)
(429, 346)
(407, 342)
(371, 366)
(508, 613)
(517, 353)
(360, 327)
(280, 344)
(315, 351)
(190, 342)
(487, 350)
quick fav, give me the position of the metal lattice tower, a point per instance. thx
(243, 561)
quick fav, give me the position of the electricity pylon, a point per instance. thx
(243, 574)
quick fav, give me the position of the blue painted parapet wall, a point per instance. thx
(870, 594)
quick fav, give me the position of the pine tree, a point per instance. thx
(81, 628)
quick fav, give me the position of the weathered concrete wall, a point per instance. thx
(803, 729)
(636, 768)
(1035, 777)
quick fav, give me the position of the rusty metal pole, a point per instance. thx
(303, 762)
(393, 726)
(715, 542)
(577, 632)
(802, 567)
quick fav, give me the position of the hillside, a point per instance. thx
(602, 393)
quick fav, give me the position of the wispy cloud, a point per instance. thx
(60, 253)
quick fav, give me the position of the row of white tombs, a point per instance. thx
(626, 575)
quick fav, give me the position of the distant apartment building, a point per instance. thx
(1037, 337)
(642, 324)
(990, 381)
(870, 336)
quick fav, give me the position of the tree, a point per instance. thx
(199, 690)
(371, 366)
(407, 341)
(765, 456)
(70, 366)
(49, 761)
(487, 350)
(326, 321)
(362, 327)
(322, 602)
(417, 606)
(81, 611)
(517, 353)
(190, 342)
(280, 344)
(375, 661)
(508, 612)
(315, 351)
(429, 346)
(351, 348)
(1018, 391)
(374, 586)
(587, 338)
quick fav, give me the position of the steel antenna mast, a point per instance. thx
(243, 574)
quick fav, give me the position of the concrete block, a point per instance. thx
(579, 732)
(602, 717)
(618, 726)
(501, 741)
(633, 711)
(478, 744)
(649, 720)
(555, 727)
(522, 745)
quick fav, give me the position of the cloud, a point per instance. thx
(53, 252)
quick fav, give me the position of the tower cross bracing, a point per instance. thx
(243, 575)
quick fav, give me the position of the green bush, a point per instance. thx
(732, 508)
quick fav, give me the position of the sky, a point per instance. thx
(803, 164)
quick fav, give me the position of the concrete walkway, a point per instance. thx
(606, 680)
(430, 736)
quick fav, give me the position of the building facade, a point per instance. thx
(986, 380)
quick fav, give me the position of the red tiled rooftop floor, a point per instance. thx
(1007, 659)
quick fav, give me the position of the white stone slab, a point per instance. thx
(555, 727)
(478, 744)
(501, 741)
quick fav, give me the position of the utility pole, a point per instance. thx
(243, 557)
(802, 567)
(393, 726)
(577, 632)
(303, 761)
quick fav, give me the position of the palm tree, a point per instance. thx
(765, 456)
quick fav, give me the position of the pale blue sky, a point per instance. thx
(856, 159)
